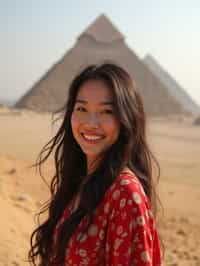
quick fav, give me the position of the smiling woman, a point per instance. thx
(95, 126)
(100, 211)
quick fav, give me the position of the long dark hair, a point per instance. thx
(130, 150)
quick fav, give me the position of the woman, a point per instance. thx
(102, 191)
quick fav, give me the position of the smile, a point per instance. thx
(91, 138)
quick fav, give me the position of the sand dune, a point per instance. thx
(176, 144)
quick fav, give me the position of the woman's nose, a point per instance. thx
(92, 119)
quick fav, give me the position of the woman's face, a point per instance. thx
(95, 127)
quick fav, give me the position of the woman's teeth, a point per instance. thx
(89, 137)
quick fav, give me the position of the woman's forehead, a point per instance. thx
(96, 92)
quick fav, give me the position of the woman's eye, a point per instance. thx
(81, 109)
(107, 111)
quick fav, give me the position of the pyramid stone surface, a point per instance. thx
(171, 84)
(101, 41)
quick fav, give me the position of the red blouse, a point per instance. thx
(122, 232)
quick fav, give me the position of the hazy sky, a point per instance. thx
(36, 34)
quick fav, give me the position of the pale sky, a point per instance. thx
(36, 34)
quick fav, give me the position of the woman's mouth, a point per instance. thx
(92, 138)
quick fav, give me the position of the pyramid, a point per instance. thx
(100, 41)
(172, 85)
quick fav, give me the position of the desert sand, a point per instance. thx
(176, 144)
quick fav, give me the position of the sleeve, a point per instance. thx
(131, 236)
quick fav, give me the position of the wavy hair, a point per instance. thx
(130, 150)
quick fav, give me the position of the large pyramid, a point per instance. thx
(172, 85)
(100, 41)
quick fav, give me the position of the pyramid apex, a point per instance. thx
(103, 16)
(103, 30)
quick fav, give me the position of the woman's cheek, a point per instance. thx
(76, 118)
(110, 122)
(75, 121)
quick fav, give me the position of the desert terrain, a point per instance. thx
(176, 144)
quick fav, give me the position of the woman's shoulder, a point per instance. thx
(126, 197)
(127, 186)
(128, 182)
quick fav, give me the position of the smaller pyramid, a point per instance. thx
(172, 85)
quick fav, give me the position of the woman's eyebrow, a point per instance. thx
(101, 103)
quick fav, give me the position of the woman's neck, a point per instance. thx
(91, 165)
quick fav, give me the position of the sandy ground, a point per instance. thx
(176, 143)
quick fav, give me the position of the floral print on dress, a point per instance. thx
(122, 233)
